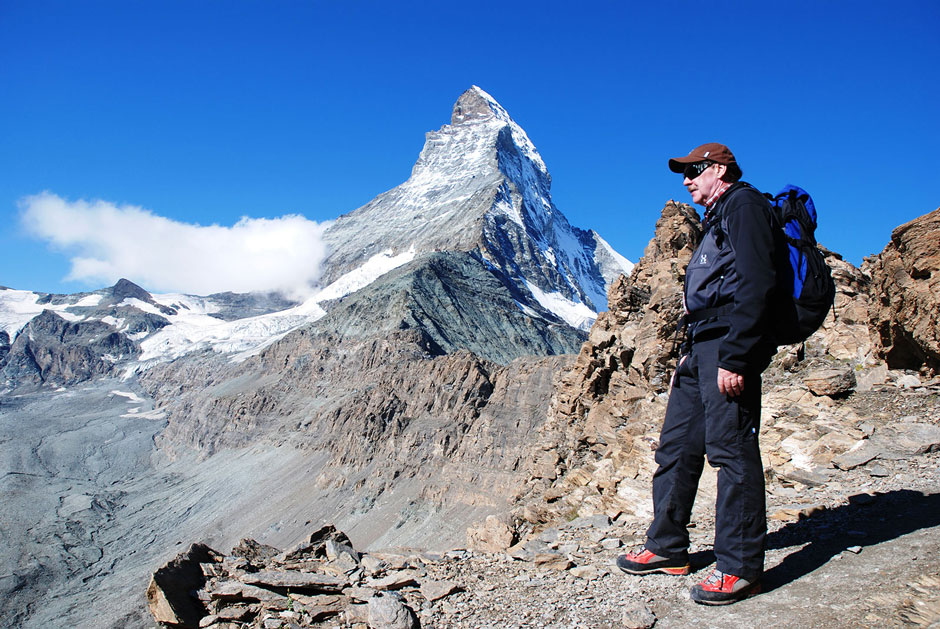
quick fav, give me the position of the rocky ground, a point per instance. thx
(856, 547)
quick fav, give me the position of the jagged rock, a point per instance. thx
(830, 381)
(491, 536)
(254, 552)
(321, 607)
(53, 350)
(169, 595)
(485, 176)
(610, 399)
(389, 612)
(906, 295)
(335, 549)
(844, 334)
(638, 617)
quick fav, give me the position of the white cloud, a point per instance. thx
(110, 242)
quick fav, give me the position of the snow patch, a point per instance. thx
(624, 264)
(575, 314)
(113, 321)
(132, 398)
(375, 267)
(17, 307)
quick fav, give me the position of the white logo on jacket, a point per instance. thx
(703, 259)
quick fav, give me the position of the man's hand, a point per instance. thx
(730, 383)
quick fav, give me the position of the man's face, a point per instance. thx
(704, 185)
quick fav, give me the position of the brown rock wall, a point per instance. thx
(906, 295)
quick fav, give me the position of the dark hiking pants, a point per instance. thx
(702, 422)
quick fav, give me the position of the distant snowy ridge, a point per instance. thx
(479, 186)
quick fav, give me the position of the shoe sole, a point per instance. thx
(682, 571)
(751, 591)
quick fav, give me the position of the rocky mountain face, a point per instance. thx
(480, 186)
(74, 338)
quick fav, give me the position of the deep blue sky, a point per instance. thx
(204, 112)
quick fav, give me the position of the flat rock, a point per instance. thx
(599, 521)
(909, 438)
(321, 607)
(235, 590)
(860, 454)
(434, 590)
(810, 478)
(552, 561)
(830, 381)
(588, 573)
(393, 581)
(294, 579)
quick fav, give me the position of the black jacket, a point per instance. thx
(733, 266)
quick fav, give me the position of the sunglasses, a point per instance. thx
(694, 170)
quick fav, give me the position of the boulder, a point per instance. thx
(253, 551)
(491, 536)
(390, 612)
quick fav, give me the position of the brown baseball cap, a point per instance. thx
(713, 152)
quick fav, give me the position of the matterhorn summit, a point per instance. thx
(480, 186)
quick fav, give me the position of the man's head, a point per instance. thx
(705, 169)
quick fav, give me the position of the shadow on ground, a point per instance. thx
(866, 521)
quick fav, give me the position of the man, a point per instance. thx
(714, 402)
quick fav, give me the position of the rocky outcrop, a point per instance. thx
(4, 345)
(595, 451)
(304, 586)
(906, 295)
(606, 410)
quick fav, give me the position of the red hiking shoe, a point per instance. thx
(723, 589)
(643, 561)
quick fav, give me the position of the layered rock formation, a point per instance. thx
(906, 295)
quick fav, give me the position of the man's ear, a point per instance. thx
(722, 170)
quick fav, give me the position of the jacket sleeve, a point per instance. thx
(749, 232)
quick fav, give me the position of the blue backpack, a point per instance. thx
(806, 290)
